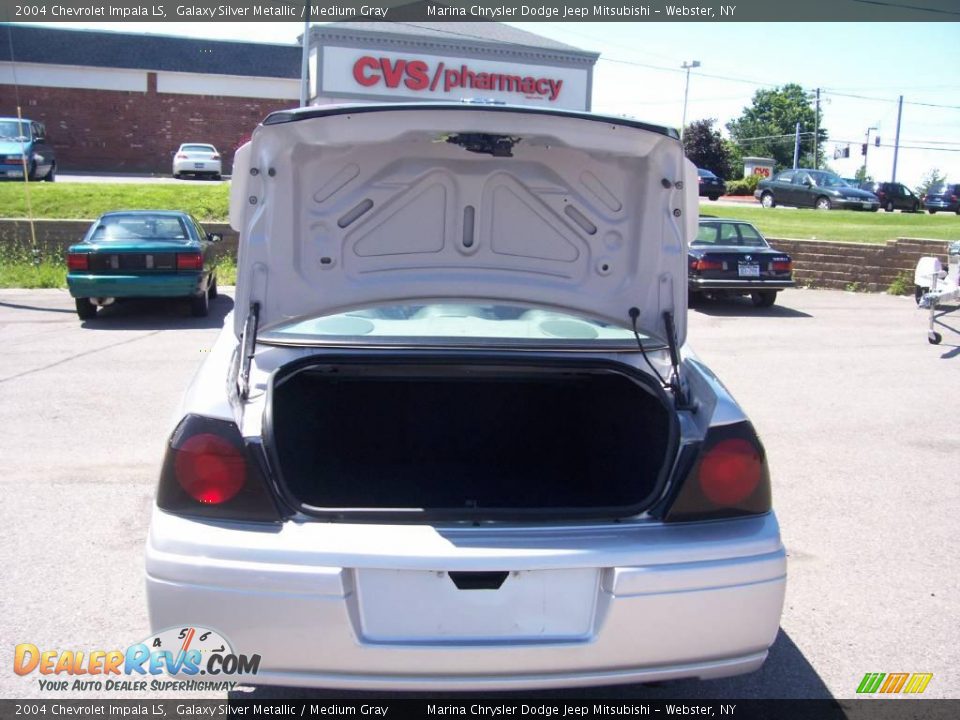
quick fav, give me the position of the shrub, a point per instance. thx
(744, 186)
(902, 284)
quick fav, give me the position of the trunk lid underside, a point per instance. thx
(350, 210)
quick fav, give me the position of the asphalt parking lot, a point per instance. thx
(859, 414)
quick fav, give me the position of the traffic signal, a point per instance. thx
(876, 141)
(863, 149)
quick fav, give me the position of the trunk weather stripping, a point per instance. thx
(248, 344)
(674, 385)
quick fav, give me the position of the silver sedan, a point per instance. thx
(197, 159)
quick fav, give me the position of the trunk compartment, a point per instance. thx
(469, 438)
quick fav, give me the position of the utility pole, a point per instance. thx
(816, 135)
(896, 142)
(796, 148)
(305, 59)
(686, 92)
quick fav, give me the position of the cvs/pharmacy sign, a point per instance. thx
(418, 75)
(361, 73)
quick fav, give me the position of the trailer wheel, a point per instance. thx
(934, 338)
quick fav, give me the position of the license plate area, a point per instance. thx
(867, 205)
(748, 270)
(199, 166)
(422, 606)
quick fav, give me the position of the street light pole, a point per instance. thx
(305, 59)
(686, 92)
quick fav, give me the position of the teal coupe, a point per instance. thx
(141, 254)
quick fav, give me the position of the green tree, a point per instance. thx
(773, 116)
(931, 177)
(705, 148)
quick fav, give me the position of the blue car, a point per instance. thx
(23, 144)
(140, 254)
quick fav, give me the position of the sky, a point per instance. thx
(861, 68)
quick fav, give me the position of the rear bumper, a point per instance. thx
(941, 205)
(699, 600)
(185, 284)
(212, 167)
(740, 285)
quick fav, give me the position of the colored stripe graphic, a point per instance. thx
(870, 682)
(918, 682)
(895, 682)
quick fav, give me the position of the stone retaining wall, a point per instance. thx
(816, 262)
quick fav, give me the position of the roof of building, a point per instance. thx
(96, 48)
(488, 32)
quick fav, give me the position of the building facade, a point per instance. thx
(123, 102)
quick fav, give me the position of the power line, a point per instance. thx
(887, 100)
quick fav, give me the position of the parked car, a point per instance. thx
(893, 196)
(813, 188)
(197, 159)
(731, 257)
(23, 143)
(452, 437)
(142, 253)
(943, 197)
(710, 185)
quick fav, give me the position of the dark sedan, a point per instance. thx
(813, 188)
(731, 257)
(710, 185)
(942, 198)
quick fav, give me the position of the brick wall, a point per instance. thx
(118, 131)
(817, 263)
(872, 266)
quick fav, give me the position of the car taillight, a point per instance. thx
(78, 261)
(182, 156)
(215, 156)
(209, 471)
(781, 266)
(189, 261)
(704, 264)
(953, 198)
(729, 478)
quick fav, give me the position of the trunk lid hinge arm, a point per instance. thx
(248, 345)
(676, 387)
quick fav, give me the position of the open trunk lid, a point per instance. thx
(348, 207)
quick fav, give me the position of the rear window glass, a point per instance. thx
(198, 148)
(452, 323)
(139, 227)
(737, 234)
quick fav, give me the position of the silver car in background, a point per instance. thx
(197, 159)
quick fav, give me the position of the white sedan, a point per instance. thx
(197, 159)
(452, 438)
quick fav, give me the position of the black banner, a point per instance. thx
(494, 709)
(479, 11)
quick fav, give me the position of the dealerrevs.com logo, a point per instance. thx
(186, 652)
